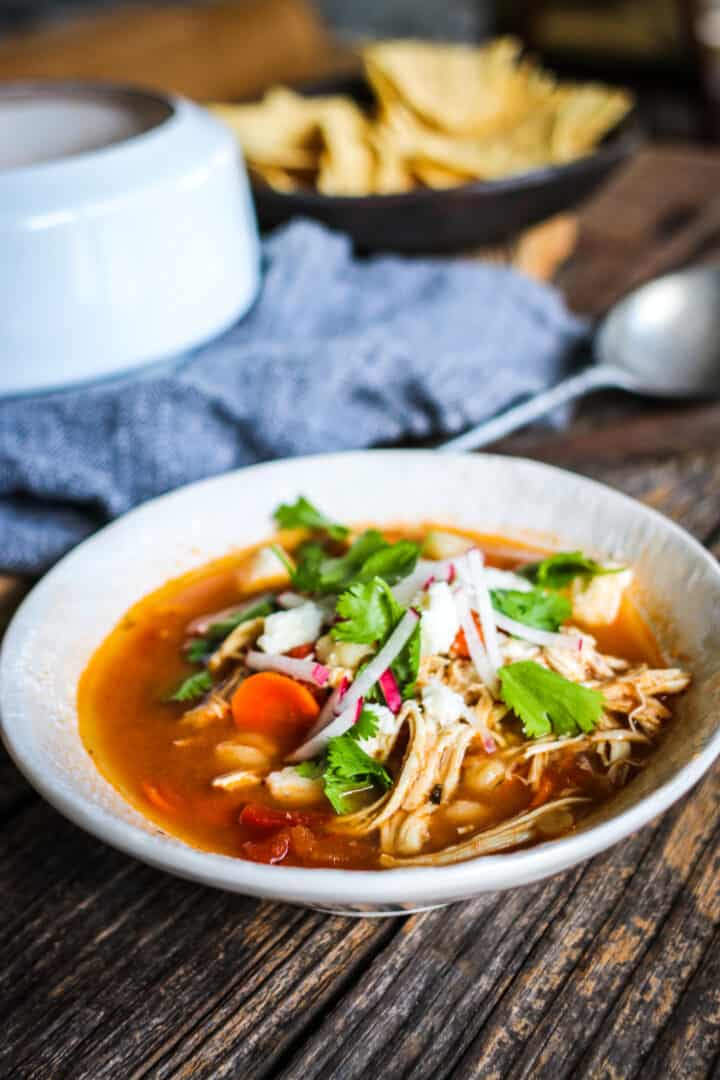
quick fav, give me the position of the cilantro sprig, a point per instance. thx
(546, 703)
(539, 608)
(303, 515)
(557, 571)
(371, 555)
(345, 768)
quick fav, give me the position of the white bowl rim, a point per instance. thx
(334, 887)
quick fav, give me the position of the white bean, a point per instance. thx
(466, 812)
(481, 776)
(237, 755)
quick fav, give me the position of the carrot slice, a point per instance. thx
(274, 704)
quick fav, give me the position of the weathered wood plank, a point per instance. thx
(647, 1004)
(597, 982)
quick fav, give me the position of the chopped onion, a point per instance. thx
(304, 670)
(317, 743)
(475, 646)
(538, 637)
(484, 608)
(328, 710)
(391, 691)
(380, 663)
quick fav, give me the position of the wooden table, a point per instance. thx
(111, 969)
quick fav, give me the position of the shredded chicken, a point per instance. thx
(435, 760)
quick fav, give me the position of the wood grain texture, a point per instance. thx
(110, 969)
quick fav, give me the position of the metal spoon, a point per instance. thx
(662, 340)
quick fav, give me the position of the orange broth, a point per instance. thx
(134, 736)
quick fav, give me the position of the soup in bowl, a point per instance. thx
(474, 688)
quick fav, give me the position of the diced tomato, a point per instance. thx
(257, 816)
(301, 651)
(273, 849)
(319, 850)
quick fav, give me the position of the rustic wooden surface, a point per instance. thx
(111, 969)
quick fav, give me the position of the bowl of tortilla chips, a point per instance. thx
(433, 147)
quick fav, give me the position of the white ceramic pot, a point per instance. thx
(127, 232)
(75, 606)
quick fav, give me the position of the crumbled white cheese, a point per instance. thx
(288, 787)
(439, 621)
(442, 704)
(287, 629)
(597, 602)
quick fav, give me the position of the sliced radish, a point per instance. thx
(328, 710)
(317, 743)
(203, 623)
(382, 661)
(304, 670)
(538, 637)
(475, 646)
(506, 579)
(484, 608)
(406, 590)
(391, 691)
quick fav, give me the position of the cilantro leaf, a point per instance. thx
(345, 768)
(539, 608)
(369, 612)
(312, 769)
(369, 556)
(392, 563)
(303, 515)
(193, 687)
(559, 570)
(365, 727)
(349, 770)
(547, 703)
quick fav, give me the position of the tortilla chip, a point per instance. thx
(445, 114)
(585, 114)
(276, 132)
(347, 163)
(455, 88)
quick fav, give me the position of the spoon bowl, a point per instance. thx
(662, 340)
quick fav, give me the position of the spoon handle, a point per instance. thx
(591, 378)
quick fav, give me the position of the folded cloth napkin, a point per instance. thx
(337, 353)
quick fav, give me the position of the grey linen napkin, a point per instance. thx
(337, 353)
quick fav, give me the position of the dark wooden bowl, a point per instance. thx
(452, 219)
